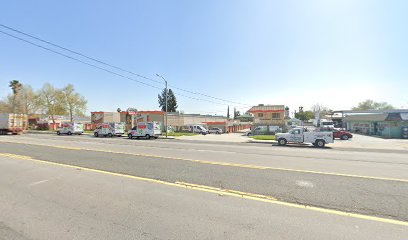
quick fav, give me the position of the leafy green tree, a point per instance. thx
(228, 113)
(75, 103)
(304, 115)
(371, 105)
(28, 100)
(52, 101)
(5, 106)
(171, 101)
(236, 113)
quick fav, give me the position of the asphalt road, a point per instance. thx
(85, 188)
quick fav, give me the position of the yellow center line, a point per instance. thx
(226, 192)
(250, 166)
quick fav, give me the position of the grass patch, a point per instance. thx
(263, 137)
(178, 134)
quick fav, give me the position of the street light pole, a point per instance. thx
(165, 103)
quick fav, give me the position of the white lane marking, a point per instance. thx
(306, 184)
(38, 182)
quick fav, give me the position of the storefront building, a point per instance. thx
(392, 124)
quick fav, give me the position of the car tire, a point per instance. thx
(147, 136)
(320, 143)
(130, 136)
(58, 133)
(96, 134)
(282, 142)
(344, 137)
(110, 135)
(69, 133)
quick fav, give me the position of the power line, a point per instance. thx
(103, 69)
(78, 53)
(116, 67)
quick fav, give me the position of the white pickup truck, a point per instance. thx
(299, 135)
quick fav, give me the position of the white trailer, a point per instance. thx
(146, 130)
(299, 135)
(71, 128)
(12, 123)
(110, 129)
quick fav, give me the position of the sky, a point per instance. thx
(296, 53)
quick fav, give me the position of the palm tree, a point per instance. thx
(16, 86)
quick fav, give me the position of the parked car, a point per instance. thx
(261, 130)
(196, 129)
(215, 130)
(298, 135)
(343, 135)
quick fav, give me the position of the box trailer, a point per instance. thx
(110, 129)
(147, 130)
(13, 123)
(71, 128)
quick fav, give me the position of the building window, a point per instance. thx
(260, 115)
(276, 115)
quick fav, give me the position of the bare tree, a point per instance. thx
(75, 102)
(321, 109)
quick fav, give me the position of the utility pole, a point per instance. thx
(165, 103)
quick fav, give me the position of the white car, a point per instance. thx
(299, 135)
(215, 130)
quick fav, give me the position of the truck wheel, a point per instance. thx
(110, 135)
(320, 143)
(282, 142)
(344, 137)
(69, 133)
(96, 134)
(147, 136)
(58, 133)
(130, 136)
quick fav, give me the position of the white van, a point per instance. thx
(70, 128)
(147, 130)
(198, 129)
(261, 130)
(110, 129)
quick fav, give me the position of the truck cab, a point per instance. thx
(301, 135)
